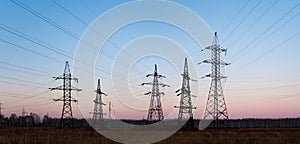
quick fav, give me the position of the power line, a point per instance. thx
(268, 99)
(15, 70)
(44, 84)
(274, 31)
(265, 31)
(28, 97)
(35, 104)
(296, 95)
(29, 90)
(16, 83)
(67, 32)
(252, 25)
(269, 35)
(26, 68)
(249, 13)
(267, 52)
(264, 88)
(45, 46)
(29, 50)
(85, 24)
(22, 95)
(86, 6)
(235, 16)
(30, 10)
(40, 43)
(20, 80)
(34, 86)
(34, 40)
(51, 22)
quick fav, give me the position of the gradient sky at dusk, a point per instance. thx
(263, 80)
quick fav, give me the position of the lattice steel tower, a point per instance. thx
(1, 108)
(185, 105)
(110, 110)
(1, 117)
(216, 107)
(155, 112)
(67, 88)
(98, 109)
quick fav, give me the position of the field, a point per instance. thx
(209, 136)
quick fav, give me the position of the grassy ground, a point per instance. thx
(209, 136)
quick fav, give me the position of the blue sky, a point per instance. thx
(263, 80)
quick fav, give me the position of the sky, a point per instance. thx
(261, 38)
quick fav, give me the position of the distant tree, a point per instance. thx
(46, 120)
(36, 118)
(13, 120)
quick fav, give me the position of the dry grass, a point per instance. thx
(51, 136)
(210, 136)
(236, 136)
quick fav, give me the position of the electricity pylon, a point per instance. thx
(98, 109)
(155, 112)
(24, 112)
(216, 107)
(67, 88)
(185, 105)
(110, 110)
(1, 108)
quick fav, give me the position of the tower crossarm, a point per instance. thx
(62, 77)
(185, 107)
(212, 76)
(75, 89)
(209, 61)
(62, 99)
(62, 88)
(57, 88)
(160, 84)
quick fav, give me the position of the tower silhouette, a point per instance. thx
(1, 108)
(67, 88)
(155, 112)
(110, 110)
(98, 109)
(185, 105)
(216, 107)
(1, 117)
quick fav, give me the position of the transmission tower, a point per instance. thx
(24, 112)
(110, 109)
(1, 108)
(155, 112)
(98, 109)
(67, 88)
(185, 106)
(216, 107)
